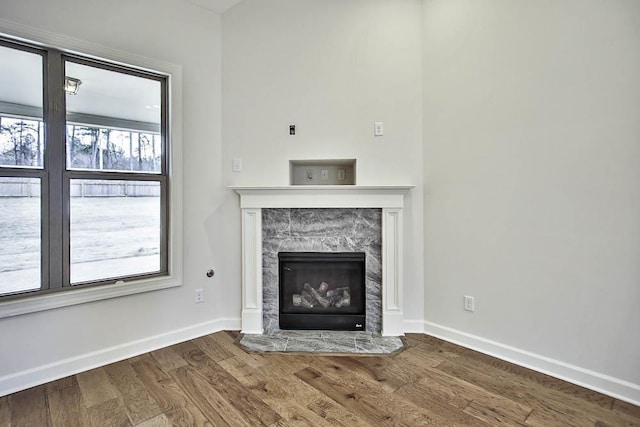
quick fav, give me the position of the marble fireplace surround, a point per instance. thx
(325, 231)
(390, 199)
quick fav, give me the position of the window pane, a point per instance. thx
(115, 229)
(19, 234)
(92, 147)
(113, 121)
(21, 129)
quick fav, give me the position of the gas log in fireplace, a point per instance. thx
(322, 290)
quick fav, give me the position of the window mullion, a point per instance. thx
(57, 194)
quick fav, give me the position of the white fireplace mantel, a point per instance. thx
(389, 198)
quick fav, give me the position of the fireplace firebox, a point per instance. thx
(322, 290)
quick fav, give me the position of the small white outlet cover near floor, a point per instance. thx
(469, 303)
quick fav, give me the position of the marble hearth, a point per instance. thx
(322, 218)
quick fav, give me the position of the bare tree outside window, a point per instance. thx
(112, 149)
(20, 142)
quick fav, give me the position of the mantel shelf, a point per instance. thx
(322, 196)
(271, 188)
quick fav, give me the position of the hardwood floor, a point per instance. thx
(211, 381)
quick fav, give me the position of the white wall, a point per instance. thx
(170, 31)
(532, 182)
(332, 68)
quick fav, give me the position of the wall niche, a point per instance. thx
(322, 172)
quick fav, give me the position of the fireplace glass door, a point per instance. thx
(322, 290)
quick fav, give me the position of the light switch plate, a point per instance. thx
(378, 128)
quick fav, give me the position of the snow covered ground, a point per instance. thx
(110, 237)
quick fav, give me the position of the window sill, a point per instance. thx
(80, 296)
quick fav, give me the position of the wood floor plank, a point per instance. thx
(374, 368)
(414, 369)
(140, 405)
(430, 391)
(171, 398)
(285, 364)
(444, 390)
(406, 409)
(280, 371)
(357, 395)
(410, 367)
(61, 384)
(335, 414)
(29, 408)
(422, 397)
(168, 359)
(539, 396)
(275, 393)
(545, 408)
(472, 399)
(140, 358)
(471, 357)
(247, 403)
(495, 410)
(428, 354)
(621, 407)
(96, 387)
(497, 365)
(109, 413)
(67, 407)
(226, 342)
(215, 351)
(157, 421)
(208, 400)
(348, 398)
(5, 412)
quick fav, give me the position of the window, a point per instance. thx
(84, 172)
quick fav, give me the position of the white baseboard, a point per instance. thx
(614, 387)
(413, 326)
(84, 362)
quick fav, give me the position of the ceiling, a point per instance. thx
(218, 6)
(101, 93)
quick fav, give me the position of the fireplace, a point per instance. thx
(322, 290)
(262, 240)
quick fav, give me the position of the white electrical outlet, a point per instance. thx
(199, 295)
(236, 165)
(469, 303)
(324, 174)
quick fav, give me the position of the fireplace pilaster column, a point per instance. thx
(252, 271)
(392, 315)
